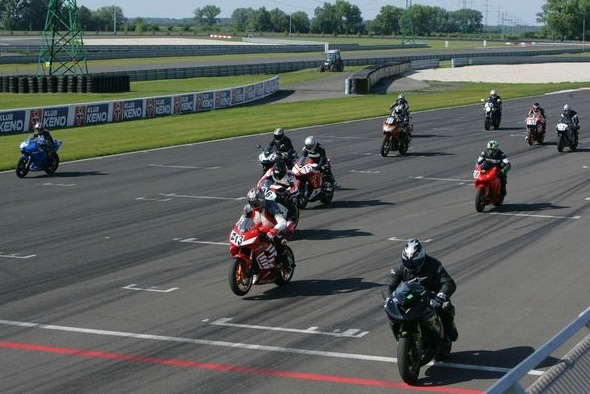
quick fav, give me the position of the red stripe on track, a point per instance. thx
(229, 368)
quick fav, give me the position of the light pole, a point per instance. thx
(114, 20)
(289, 25)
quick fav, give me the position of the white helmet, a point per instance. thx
(38, 128)
(567, 107)
(493, 93)
(279, 133)
(310, 143)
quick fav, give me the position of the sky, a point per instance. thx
(512, 12)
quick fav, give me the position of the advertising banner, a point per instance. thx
(13, 121)
(158, 106)
(91, 114)
(222, 98)
(184, 104)
(205, 101)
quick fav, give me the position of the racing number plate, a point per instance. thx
(236, 238)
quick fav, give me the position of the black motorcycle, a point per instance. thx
(269, 156)
(492, 113)
(417, 328)
(567, 134)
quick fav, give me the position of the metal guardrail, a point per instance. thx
(509, 383)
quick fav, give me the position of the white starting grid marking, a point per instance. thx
(246, 346)
(441, 179)
(400, 239)
(576, 217)
(201, 197)
(196, 241)
(16, 256)
(58, 184)
(151, 288)
(351, 333)
(184, 167)
(364, 172)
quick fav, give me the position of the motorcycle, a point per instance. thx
(255, 258)
(417, 327)
(287, 197)
(395, 136)
(492, 113)
(269, 156)
(535, 125)
(34, 158)
(310, 183)
(567, 134)
(488, 188)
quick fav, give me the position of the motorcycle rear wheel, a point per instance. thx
(52, 165)
(302, 200)
(404, 144)
(21, 167)
(285, 272)
(240, 281)
(385, 147)
(408, 360)
(480, 199)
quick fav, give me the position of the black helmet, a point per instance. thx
(256, 198)
(279, 170)
(413, 255)
(278, 134)
(536, 106)
(398, 110)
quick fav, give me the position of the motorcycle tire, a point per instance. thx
(240, 281)
(531, 137)
(443, 351)
(52, 165)
(302, 200)
(404, 145)
(480, 199)
(487, 123)
(560, 143)
(385, 147)
(21, 167)
(327, 197)
(285, 272)
(408, 360)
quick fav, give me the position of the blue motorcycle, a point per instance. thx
(35, 158)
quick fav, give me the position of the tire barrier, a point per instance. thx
(362, 82)
(91, 83)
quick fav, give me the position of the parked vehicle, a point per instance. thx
(34, 158)
(395, 136)
(488, 188)
(417, 327)
(255, 258)
(333, 61)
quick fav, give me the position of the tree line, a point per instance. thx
(561, 19)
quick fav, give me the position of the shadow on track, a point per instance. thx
(322, 234)
(536, 207)
(319, 287)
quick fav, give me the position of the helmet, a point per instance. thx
(493, 93)
(413, 255)
(536, 106)
(279, 170)
(567, 107)
(278, 134)
(38, 127)
(401, 97)
(256, 198)
(310, 143)
(398, 110)
(493, 144)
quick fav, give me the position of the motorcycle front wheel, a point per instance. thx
(385, 147)
(21, 167)
(286, 270)
(240, 281)
(480, 199)
(487, 123)
(530, 137)
(560, 143)
(408, 360)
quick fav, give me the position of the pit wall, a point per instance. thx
(89, 114)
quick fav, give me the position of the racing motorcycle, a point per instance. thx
(567, 134)
(269, 156)
(286, 196)
(310, 183)
(492, 114)
(535, 125)
(255, 258)
(488, 188)
(395, 136)
(34, 158)
(417, 327)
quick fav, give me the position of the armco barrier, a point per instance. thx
(86, 114)
(362, 82)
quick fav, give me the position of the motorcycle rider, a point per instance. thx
(570, 114)
(43, 135)
(272, 217)
(401, 108)
(417, 264)
(494, 155)
(536, 108)
(280, 175)
(495, 99)
(283, 145)
(314, 150)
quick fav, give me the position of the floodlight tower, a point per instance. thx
(62, 48)
(408, 29)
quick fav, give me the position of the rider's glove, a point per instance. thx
(272, 234)
(439, 300)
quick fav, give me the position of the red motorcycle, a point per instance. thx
(488, 188)
(535, 125)
(395, 136)
(255, 258)
(310, 183)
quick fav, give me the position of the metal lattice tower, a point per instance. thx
(408, 29)
(62, 48)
